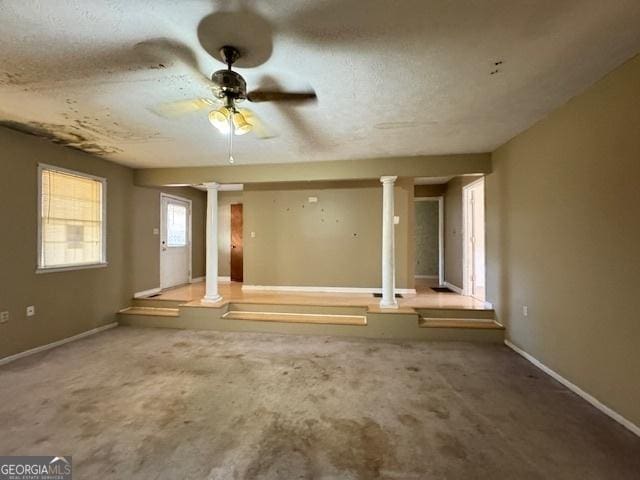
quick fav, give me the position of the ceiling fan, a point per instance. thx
(229, 89)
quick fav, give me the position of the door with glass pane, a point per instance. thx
(175, 241)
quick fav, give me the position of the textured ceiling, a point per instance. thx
(396, 78)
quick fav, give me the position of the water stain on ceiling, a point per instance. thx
(391, 81)
(72, 136)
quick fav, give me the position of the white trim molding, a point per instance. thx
(197, 280)
(282, 288)
(226, 279)
(453, 287)
(48, 346)
(575, 389)
(468, 272)
(147, 293)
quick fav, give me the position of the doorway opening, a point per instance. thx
(429, 240)
(237, 262)
(473, 238)
(175, 241)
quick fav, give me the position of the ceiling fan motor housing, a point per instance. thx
(228, 83)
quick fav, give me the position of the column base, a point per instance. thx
(384, 304)
(206, 299)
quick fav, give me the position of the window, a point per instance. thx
(71, 216)
(176, 225)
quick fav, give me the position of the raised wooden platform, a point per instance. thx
(303, 316)
(425, 298)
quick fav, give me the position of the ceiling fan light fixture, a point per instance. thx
(240, 123)
(219, 119)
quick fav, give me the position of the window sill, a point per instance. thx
(71, 267)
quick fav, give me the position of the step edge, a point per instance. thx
(295, 313)
(151, 311)
(473, 323)
(360, 320)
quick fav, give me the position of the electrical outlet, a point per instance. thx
(253, 234)
(31, 311)
(525, 310)
(4, 317)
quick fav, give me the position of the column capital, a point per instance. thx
(211, 185)
(388, 179)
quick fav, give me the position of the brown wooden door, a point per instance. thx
(236, 243)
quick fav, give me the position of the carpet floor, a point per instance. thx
(164, 404)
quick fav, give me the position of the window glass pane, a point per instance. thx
(71, 219)
(176, 225)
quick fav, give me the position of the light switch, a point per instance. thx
(396, 220)
(31, 311)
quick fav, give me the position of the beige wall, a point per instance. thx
(563, 238)
(67, 303)
(333, 243)
(453, 230)
(338, 170)
(145, 259)
(71, 302)
(421, 191)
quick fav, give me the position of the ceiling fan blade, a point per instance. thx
(278, 96)
(183, 107)
(259, 128)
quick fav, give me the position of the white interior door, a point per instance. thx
(175, 241)
(474, 238)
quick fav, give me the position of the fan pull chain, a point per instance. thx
(230, 120)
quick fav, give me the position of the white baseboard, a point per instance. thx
(224, 279)
(281, 288)
(453, 287)
(430, 277)
(577, 390)
(197, 280)
(57, 343)
(147, 293)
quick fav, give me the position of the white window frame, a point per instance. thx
(79, 266)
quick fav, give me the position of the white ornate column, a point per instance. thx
(388, 245)
(211, 281)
